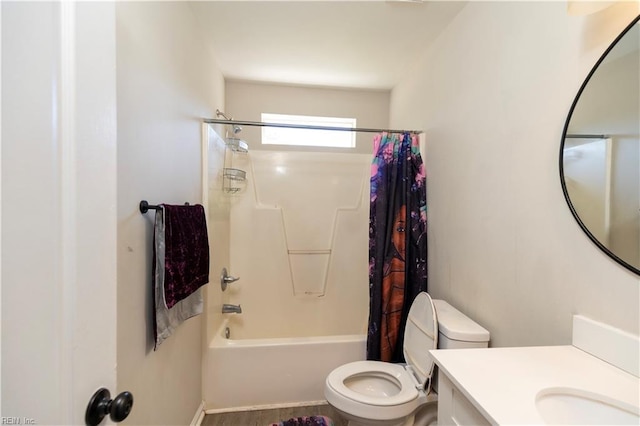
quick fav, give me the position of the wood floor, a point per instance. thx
(267, 417)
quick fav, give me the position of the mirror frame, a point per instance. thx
(561, 162)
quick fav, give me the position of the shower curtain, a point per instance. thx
(397, 241)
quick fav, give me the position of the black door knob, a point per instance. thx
(101, 404)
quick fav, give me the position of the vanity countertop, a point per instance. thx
(502, 383)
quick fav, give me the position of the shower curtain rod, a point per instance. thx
(304, 126)
(576, 136)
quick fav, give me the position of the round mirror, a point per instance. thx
(600, 151)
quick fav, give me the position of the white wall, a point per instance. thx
(167, 83)
(493, 93)
(246, 101)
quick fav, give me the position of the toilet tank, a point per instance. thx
(456, 330)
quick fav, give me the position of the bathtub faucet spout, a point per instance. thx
(231, 309)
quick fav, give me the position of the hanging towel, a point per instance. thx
(186, 260)
(180, 266)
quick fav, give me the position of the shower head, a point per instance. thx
(236, 129)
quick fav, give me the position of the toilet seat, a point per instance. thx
(373, 391)
(383, 371)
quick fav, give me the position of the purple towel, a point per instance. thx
(306, 421)
(186, 251)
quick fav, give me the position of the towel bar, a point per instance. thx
(145, 206)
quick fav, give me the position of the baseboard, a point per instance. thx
(265, 407)
(199, 416)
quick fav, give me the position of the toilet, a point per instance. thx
(376, 393)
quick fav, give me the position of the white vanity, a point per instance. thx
(593, 381)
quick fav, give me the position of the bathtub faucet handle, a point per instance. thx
(225, 279)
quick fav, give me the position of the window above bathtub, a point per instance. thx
(309, 137)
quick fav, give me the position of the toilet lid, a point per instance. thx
(420, 336)
(384, 371)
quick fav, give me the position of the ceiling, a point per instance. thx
(355, 44)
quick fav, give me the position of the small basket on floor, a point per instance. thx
(306, 421)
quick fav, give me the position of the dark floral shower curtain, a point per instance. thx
(397, 241)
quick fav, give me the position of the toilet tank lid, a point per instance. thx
(457, 326)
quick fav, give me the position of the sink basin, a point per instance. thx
(576, 407)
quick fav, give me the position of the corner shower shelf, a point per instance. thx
(237, 145)
(235, 174)
(232, 178)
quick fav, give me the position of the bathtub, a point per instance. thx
(277, 372)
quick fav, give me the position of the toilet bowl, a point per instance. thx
(375, 393)
(364, 391)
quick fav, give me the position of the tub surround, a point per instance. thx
(520, 376)
(299, 238)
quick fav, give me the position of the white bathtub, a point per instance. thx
(260, 373)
